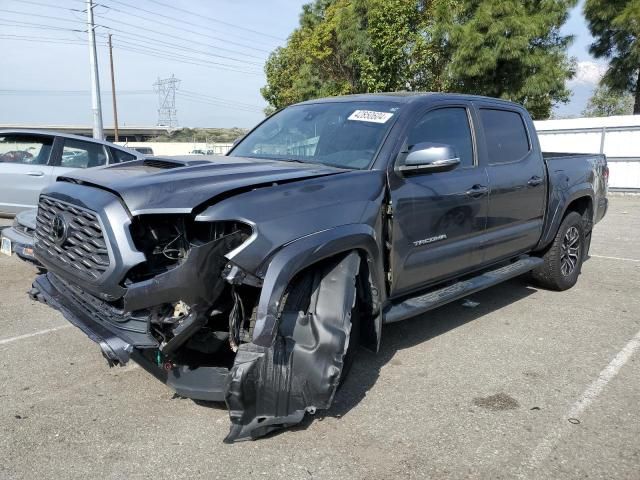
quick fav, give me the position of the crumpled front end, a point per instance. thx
(161, 289)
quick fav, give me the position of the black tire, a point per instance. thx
(563, 260)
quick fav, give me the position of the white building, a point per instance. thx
(617, 137)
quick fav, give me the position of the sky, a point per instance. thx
(216, 49)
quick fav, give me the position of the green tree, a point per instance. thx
(605, 102)
(615, 24)
(358, 46)
(513, 49)
(509, 49)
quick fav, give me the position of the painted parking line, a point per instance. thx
(616, 258)
(4, 341)
(546, 446)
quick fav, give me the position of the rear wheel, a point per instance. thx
(563, 260)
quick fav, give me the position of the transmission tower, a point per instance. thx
(167, 113)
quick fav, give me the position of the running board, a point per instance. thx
(436, 298)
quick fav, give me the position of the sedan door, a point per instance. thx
(25, 169)
(438, 217)
(80, 154)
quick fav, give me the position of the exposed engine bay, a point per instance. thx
(222, 314)
(187, 314)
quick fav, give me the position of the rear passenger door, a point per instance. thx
(80, 154)
(517, 181)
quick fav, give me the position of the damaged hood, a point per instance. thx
(164, 185)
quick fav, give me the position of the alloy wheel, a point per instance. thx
(570, 252)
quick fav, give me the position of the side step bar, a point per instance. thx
(435, 298)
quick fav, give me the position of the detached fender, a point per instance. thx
(559, 199)
(306, 251)
(272, 387)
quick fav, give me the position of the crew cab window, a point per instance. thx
(449, 126)
(120, 156)
(505, 134)
(79, 154)
(25, 149)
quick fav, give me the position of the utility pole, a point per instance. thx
(113, 91)
(96, 104)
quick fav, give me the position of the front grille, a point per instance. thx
(81, 248)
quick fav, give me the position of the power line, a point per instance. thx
(127, 42)
(24, 38)
(30, 14)
(181, 27)
(177, 47)
(164, 34)
(131, 47)
(187, 95)
(137, 49)
(202, 101)
(216, 20)
(37, 26)
(40, 4)
(189, 92)
(67, 93)
(143, 40)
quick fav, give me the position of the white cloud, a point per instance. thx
(588, 73)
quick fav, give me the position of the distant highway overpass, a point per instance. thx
(125, 133)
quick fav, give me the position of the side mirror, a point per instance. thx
(430, 158)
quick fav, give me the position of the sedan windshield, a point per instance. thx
(340, 134)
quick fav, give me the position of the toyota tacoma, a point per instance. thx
(254, 278)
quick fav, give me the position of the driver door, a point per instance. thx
(438, 217)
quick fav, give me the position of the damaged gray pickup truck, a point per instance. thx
(253, 278)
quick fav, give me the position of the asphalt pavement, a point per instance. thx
(528, 384)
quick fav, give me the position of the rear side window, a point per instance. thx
(505, 134)
(25, 149)
(79, 154)
(120, 156)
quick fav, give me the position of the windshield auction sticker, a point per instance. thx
(370, 116)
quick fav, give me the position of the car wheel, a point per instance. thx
(563, 260)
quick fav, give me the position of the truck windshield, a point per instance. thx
(340, 134)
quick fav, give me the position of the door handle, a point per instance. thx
(477, 191)
(36, 174)
(534, 181)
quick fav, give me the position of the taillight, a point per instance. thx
(605, 174)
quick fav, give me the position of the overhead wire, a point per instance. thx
(215, 20)
(181, 26)
(164, 34)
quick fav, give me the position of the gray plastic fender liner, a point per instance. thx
(272, 387)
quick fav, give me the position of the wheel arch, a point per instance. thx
(310, 252)
(578, 199)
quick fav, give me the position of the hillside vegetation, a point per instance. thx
(208, 135)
